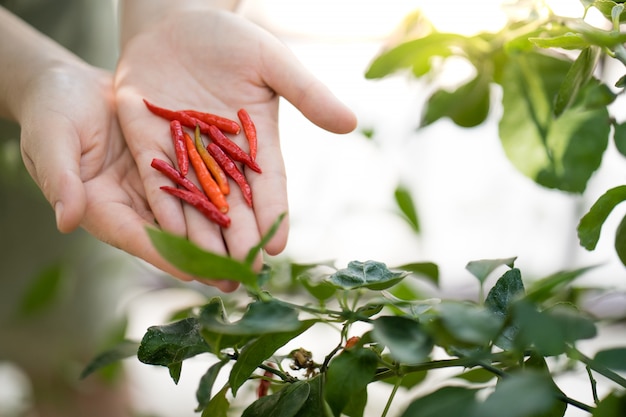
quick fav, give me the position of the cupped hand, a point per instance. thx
(73, 148)
(218, 62)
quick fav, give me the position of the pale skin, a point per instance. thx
(94, 168)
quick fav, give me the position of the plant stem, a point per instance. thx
(392, 396)
(280, 374)
(594, 387)
(427, 366)
(329, 357)
(576, 403)
(311, 310)
(575, 354)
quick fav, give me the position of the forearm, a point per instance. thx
(138, 15)
(24, 55)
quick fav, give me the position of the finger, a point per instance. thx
(269, 189)
(54, 164)
(288, 77)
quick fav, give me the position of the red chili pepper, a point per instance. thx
(223, 123)
(215, 169)
(264, 384)
(170, 172)
(249, 130)
(201, 203)
(179, 146)
(231, 169)
(352, 342)
(207, 182)
(183, 118)
(232, 149)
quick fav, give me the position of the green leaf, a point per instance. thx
(613, 405)
(508, 289)
(315, 405)
(218, 406)
(539, 396)
(620, 240)
(591, 223)
(619, 137)
(476, 376)
(43, 291)
(560, 153)
(552, 285)
(212, 312)
(356, 404)
(286, 403)
(370, 274)
(170, 344)
(322, 290)
(571, 41)
(175, 370)
(404, 200)
(415, 54)
(123, 350)
(614, 358)
(348, 374)
(578, 75)
(255, 250)
(481, 269)
(254, 353)
(550, 331)
(406, 338)
(469, 323)
(261, 317)
(190, 258)
(428, 270)
(606, 7)
(205, 387)
(445, 402)
(467, 106)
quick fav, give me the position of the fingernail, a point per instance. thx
(58, 212)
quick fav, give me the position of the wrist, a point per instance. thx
(23, 60)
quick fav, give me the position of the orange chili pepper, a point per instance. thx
(207, 182)
(230, 167)
(218, 173)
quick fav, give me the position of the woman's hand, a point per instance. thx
(202, 58)
(73, 147)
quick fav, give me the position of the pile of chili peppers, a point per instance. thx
(213, 163)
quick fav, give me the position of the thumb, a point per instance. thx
(289, 78)
(68, 200)
(54, 164)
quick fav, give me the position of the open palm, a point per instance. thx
(217, 62)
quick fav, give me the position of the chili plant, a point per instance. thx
(556, 122)
(517, 339)
(505, 350)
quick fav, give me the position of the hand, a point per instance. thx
(74, 150)
(218, 62)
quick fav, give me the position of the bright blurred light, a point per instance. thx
(354, 19)
(464, 17)
(567, 8)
